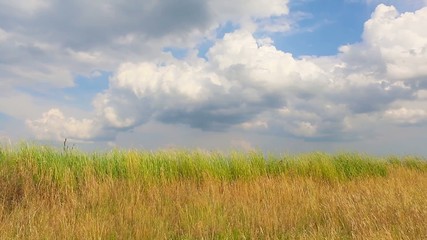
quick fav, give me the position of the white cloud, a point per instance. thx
(246, 12)
(242, 144)
(249, 83)
(53, 125)
(25, 7)
(231, 88)
(407, 116)
(19, 105)
(3, 35)
(305, 129)
(244, 82)
(422, 94)
(42, 45)
(394, 45)
(401, 40)
(407, 5)
(281, 24)
(257, 124)
(5, 140)
(28, 62)
(242, 10)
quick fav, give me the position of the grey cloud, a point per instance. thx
(362, 57)
(216, 109)
(177, 16)
(13, 53)
(254, 86)
(419, 83)
(221, 112)
(371, 98)
(326, 118)
(83, 25)
(205, 119)
(78, 37)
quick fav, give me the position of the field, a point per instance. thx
(188, 194)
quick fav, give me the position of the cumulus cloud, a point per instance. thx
(3, 35)
(247, 83)
(401, 40)
(45, 44)
(54, 125)
(24, 7)
(242, 144)
(49, 41)
(240, 80)
(394, 45)
(406, 116)
(407, 5)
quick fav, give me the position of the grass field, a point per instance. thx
(184, 194)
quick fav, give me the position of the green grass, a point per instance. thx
(48, 193)
(185, 164)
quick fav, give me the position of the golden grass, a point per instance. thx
(90, 205)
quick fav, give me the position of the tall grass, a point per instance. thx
(47, 193)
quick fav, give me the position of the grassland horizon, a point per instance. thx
(48, 193)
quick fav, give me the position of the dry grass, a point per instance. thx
(43, 200)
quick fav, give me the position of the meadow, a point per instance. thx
(48, 193)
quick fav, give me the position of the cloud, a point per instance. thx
(406, 116)
(54, 125)
(230, 88)
(407, 5)
(247, 83)
(45, 43)
(242, 144)
(394, 45)
(24, 7)
(3, 35)
(402, 53)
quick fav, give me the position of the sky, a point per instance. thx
(283, 76)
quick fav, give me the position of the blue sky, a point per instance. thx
(287, 76)
(326, 26)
